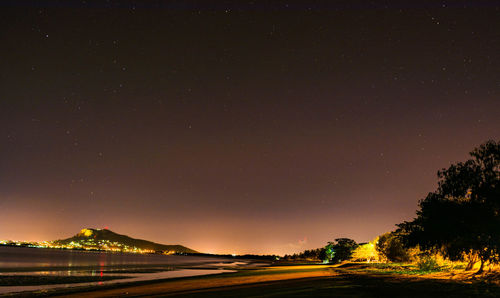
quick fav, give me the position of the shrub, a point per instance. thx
(428, 264)
(366, 252)
(390, 247)
(340, 250)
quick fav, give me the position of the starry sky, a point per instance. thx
(237, 128)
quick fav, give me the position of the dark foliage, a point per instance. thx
(462, 217)
(341, 249)
(391, 247)
(317, 254)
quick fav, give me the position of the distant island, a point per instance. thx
(106, 240)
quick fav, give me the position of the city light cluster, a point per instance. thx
(85, 244)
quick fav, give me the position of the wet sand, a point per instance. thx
(304, 281)
(268, 274)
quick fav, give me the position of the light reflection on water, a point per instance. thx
(134, 277)
(103, 272)
(39, 257)
(53, 262)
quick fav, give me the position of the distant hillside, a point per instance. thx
(100, 237)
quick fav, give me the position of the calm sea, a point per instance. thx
(41, 257)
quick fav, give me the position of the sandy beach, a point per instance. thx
(300, 280)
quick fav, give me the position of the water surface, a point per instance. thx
(136, 267)
(134, 277)
(18, 257)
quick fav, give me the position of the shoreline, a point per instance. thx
(312, 280)
(286, 280)
(243, 276)
(60, 279)
(127, 279)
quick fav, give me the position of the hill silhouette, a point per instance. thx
(99, 236)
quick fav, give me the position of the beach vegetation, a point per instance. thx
(460, 219)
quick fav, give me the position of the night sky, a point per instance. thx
(237, 128)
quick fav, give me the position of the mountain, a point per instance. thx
(106, 239)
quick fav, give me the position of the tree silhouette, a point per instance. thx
(462, 217)
(340, 250)
(391, 248)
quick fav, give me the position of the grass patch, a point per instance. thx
(392, 268)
